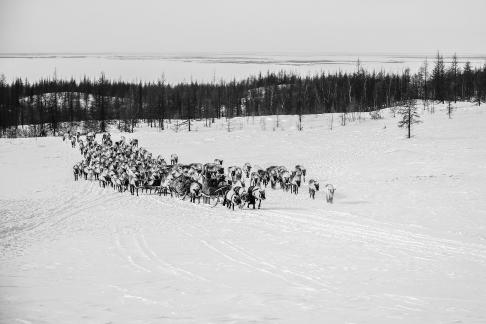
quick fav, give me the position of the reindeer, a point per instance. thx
(129, 167)
(272, 176)
(264, 177)
(81, 146)
(231, 171)
(88, 172)
(302, 170)
(105, 137)
(330, 193)
(165, 186)
(133, 181)
(255, 193)
(238, 175)
(134, 142)
(294, 184)
(117, 183)
(247, 169)
(239, 187)
(76, 172)
(231, 199)
(152, 181)
(313, 187)
(235, 173)
(285, 180)
(97, 171)
(297, 175)
(104, 178)
(255, 179)
(196, 167)
(160, 160)
(195, 192)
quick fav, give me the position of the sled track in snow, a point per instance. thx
(50, 218)
(336, 225)
(324, 223)
(198, 222)
(136, 252)
(396, 241)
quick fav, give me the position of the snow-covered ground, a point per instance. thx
(404, 242)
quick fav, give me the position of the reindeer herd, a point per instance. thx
(125, 166)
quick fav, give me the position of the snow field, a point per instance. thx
(404, 241)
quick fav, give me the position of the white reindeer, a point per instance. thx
(330, 193)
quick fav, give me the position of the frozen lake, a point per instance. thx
(204, 67)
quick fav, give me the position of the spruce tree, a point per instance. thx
(409, 116)
(438, 76)
(453, 71)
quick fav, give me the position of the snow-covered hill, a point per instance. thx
(404, 242)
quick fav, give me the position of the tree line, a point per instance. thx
(50, 104)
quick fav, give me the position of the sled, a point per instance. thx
(217, 195)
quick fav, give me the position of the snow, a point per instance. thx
(404, 241)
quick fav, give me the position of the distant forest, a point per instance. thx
(49, 106)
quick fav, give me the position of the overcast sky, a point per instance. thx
(351, 26)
